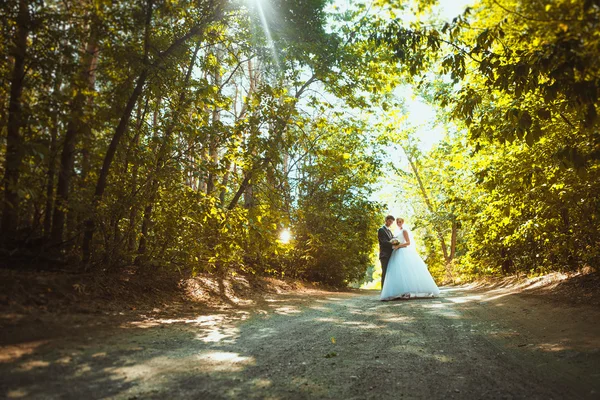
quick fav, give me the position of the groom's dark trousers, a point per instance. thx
(384, 263)
(384, 235)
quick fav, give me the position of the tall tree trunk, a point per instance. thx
(52, 159)
(213, 159)
(230, 165)
(146, 221)
(146, 218)
(203, 186)
(204, 152)
(429, 205)
(241, 190)
(247, 184)
(279, 130)
(51, 176)
(85, 82)
(453, 238)
(133, 211)
(122, 126)
(14, 141)
(89, 225)
(213, 149)
(249, 194)
(110, 153)
(224, 184)
(162, 153)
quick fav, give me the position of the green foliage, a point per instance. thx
(179, 134)
(335, 228)
(521, 65)
(189, 134)
(515, 180)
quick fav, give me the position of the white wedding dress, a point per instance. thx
(407, 275)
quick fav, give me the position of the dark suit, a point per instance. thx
(384, 234)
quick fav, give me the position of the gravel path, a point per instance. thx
(322, 345)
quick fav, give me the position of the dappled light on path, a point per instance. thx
(302, 346)
(12, 352)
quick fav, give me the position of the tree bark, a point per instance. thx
(14, 141)
(440, 234)
(204, 158)
(133, 211)
(52, 160)
(247, 185)
(224, 183)
(110, 153)
(75, 126)
(249, 193)
(453, 239)
(213, 149)
(240, 191)
(146, 218)
(242, 114)
(162, 156)
(122, 126)
(51, 177)
(203, 186)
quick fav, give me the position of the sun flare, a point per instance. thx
(285, 236)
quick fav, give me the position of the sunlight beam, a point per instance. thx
(267, 31)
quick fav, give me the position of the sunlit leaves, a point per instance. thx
(543, 65)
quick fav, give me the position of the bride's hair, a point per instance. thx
(401, 220)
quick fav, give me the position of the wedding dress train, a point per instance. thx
(407, 275)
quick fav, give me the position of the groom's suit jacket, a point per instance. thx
(384, 234)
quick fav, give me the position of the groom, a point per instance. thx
(384, 234)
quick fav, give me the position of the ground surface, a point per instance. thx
(472, 342)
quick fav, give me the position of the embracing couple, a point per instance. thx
(404, 275)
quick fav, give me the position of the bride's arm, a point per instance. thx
(407, 238)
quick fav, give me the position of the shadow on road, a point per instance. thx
(324, 345)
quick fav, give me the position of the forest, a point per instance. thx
(188, 135)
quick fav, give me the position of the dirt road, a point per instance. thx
(465, 344)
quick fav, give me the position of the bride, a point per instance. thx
(407, 275)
